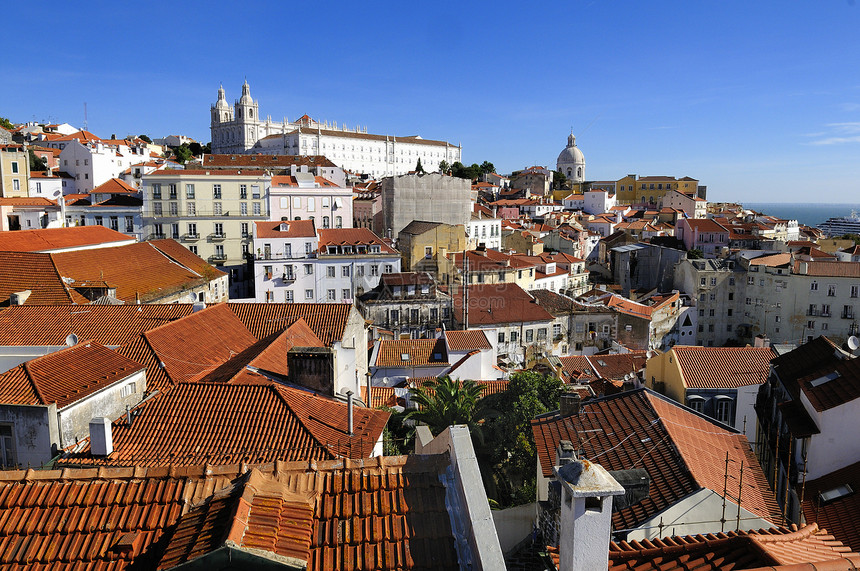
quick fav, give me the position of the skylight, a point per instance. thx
(836, 493)
(825, 379)
(404, 356)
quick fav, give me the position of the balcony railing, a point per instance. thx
(847, 315)
(190, 237)
(157, 236)
(283, 256)
(214, 258)
(217, 237)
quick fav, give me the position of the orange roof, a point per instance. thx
(265, 161)
(735, 550)
(49, 239)
(160, 518)
(292, 229)
(138, 270)
(693, 457)
(839, 515)
(80, 136)
(114, 186)
(351, 237)
(833, 385)
(195, 423)
(66, 376)
(723, 367)
(27, 201)
(467, 340)
(327, 320)
(772, 260)
(492, 304)
(704, 225)
(20, 271)
(830, 269)
(407, 353)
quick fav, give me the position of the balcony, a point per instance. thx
(217, 237)
(285, 256)
(190, 237)
(847, 315)
(217, 258)
(157, 237)
(288, 278)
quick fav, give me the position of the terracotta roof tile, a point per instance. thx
(412, 353)
(327, 320)
(65, 376)
(833, 385)
(268, 161)
(829, 269)
(494, 304)
(139, 270)
(723, 367)
(772, 260)
(58, 238)
(351, 236)
(731, 551)
(693, 456)
(838, 516)
(293, 229)
(27, 201)
(467, 340)
(114, 186)
(290, 181)
(20, 271)
(113, 325)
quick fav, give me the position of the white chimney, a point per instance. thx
(19, 297)
(101, 439)
(586, 515)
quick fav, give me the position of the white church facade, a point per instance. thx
(241, 130)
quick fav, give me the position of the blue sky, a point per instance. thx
(759, 100)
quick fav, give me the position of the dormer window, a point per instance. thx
(332, 249)
(404, 356)
(283, 227)
(375, 249)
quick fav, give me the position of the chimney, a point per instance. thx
(570, 404)
(19, 297)
(586, 515)
(564, 453)
(762, 341)
(101, 439)
(349, 410)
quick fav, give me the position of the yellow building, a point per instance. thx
(14, 171)
(424, 246)
(650, 189)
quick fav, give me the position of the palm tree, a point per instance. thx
(444, 402)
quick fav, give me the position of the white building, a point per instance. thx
(571, 162)
(294, 262)
(241, 129)
(598, 201)
(305, 196)
(92, 161)
(484, 229)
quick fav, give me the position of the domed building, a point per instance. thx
(571, 162)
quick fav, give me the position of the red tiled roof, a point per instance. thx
(27, 201)
(288, 180)
(66, 376)
(839, 516)
(137, 271)
(704, 225)
(327, 320)
(467, 340)
(293, 229)
(386, 513)
(723, 367)
(193, 346)
(50, 239)
(830, 269)
(20, 271)
(418, 352)
(493, 304)
(692, 458)
(352, 237)
(617, 366)
(772, 260)
(283, 161)
(114, 325)
(114, 186)
(731, 551)
(833, 385)
(194, 423)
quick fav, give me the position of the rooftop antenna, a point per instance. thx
(85, 115)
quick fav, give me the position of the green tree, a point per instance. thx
(145, 138)
(37, 163)
(855, 237)
(419, 168)
(559, 181)
(487, 167)
(444, 167)
(196, 149)
(6, 124)
(695, 254)
(444, 402)
(182, 153)
(510, 444)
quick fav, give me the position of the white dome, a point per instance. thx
(246, 95)
(571, 161)
(222, 99)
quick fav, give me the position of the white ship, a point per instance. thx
(841, 225)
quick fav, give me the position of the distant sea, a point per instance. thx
(811, 214)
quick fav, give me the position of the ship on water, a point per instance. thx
(841, 225)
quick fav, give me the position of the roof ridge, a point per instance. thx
(32, 380)
(279, 391)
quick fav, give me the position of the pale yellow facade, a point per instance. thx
(14, 171)
(663, 374)
(651, 189)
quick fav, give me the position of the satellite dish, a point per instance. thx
(71, 339)
(192, 297)
(385, 381)
(853, 343)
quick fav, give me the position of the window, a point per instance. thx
(347, 294)
(309, 294)
(501, 337)
(255, 191)
(192, 208)
(389, 268)
(219, 229)
(710, 313)
(359, 271)
(16, 184)
(129, 223)
(193, 249)
(713, 297)
(729, 312)
(810, 325)
(530, 335)
(244, 229)
(748, 301)
(311, 205)
(731, 281)
(713, 281)
(374, 269)
(413, 316)
(434, 314)
(731, 296)
(174, 231)
(216, 191)
(825, 309)
(156, 191)
(219, 251)
(847, 312)
(855, 290)
(308, 247)
(243, 208)
(514, 336)
(701, 297)
(541, 334)
(7, 447)
(338, 221)
(257, 209)
(14, 167)
(288, 296)
(189, 191)
(309, 269)
(750, 280)
(813, 286)
(395, 315)
(330, 271)
(332, 295)
(696, 403)
(723, 410)
(325, 222)
(824, 326)
(243, 191)
(216, 208)
(99, 221)
(345, 271)
(556, 330)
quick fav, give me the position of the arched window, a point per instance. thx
(569, 172)
(251, 113)
(579, 172)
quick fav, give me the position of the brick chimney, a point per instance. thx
(570, 404)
